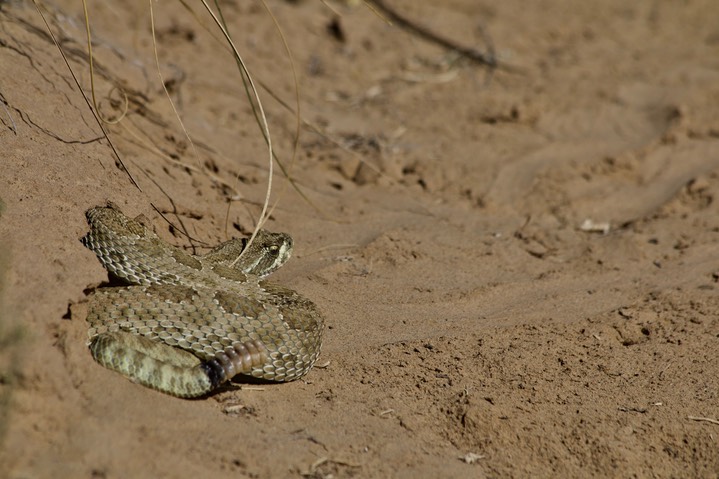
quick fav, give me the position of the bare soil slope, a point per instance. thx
(479, 323)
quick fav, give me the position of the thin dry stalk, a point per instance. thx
(164, 86)
(265, 126)
(95, 114)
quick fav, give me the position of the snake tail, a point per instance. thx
(183, 375)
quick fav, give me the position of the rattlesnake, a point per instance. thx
(185, 324)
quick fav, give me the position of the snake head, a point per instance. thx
(267, 252)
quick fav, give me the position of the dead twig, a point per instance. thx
(704, 419)
(3, 102)
(489, 59)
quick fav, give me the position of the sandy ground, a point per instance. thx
(474, 328)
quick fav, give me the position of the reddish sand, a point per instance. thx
(474, 327)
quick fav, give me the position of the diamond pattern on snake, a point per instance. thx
(186, 324)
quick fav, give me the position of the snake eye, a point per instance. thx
(274, 250)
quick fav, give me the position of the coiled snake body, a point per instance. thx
(185, 324)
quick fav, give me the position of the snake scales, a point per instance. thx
(185, 324)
